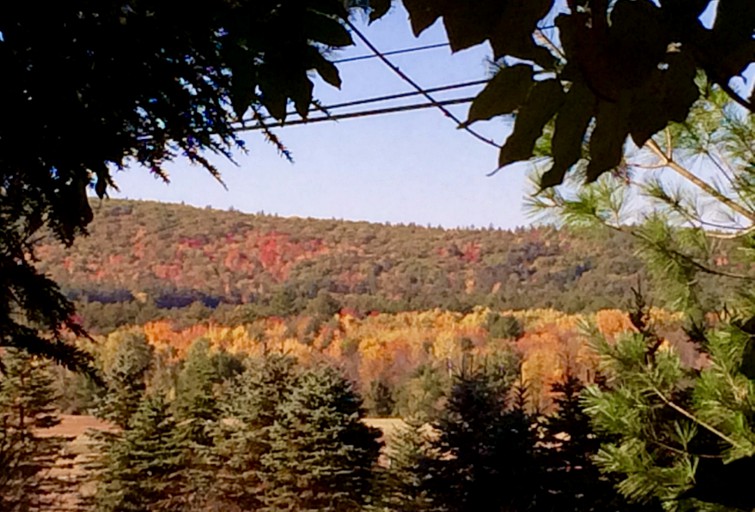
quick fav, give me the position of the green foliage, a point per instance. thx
(408, 483)
(125, 375)
(321, 455)
(572, 480)
(503, 326)
(249, 409)
(323, 306)
(27, 399)
(678, 435)
(420, 398)
(196, 403)
(487, 450)
(142, 466)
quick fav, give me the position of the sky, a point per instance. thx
(399, 168)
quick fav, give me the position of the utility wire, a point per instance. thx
(351, 115)
(379, 99)
(393, 52)
(419, 88)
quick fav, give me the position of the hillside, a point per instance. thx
(161, 256)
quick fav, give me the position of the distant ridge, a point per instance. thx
(174, 255)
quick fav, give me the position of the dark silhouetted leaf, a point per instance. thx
(666, 96)
(731, 48)
(242, 79)
(470, 23)
(274, 100)
(506, 92)
(512, 33)
(301, 95)
(637, 52)
(326, 69)
(607, 140)
(378, 9)
(685, 9)
(544, 101)
(571, 124)
(326, 30)
(423, 13)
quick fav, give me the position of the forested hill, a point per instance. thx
(170, 256)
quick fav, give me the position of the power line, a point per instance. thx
(388, 97)
(352, 115)
(393, 52)
(414, 84)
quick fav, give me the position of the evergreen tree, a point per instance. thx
(197, 411)
(195, 404)
(322, 457)
(27, 399)
(141, 466)
(681, 433)
(487, 451)
(249, 409)
(572, 480)
(379, 399)
(675, 434)
(125, 375)
(408, 482)
(420, 398)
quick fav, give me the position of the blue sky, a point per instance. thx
(408, 167)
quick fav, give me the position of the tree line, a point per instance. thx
(266, 433)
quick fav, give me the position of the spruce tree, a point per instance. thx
(197, 412)
(408, 482)
(487, 461)
(322, 457)
(27, 399)
(195, 404)
(126, 376)
(572, 480)
(249, 409)
(141, 466)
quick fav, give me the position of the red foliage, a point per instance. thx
(471, 252)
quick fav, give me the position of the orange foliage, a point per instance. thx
(390, 347)
(612, 322)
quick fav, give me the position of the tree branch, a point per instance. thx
(692, 417)
(703, 185)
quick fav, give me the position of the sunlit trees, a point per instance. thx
(26, 405)
(143, 466)
(126, 366)
(321, 455)
(249, 411)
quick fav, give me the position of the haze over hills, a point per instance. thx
(171, 256)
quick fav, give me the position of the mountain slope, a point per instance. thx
(175, 255)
